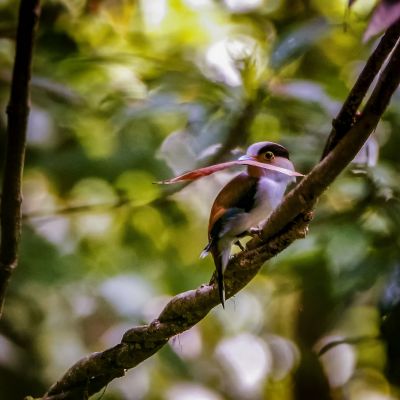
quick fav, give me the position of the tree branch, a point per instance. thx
(348, 113)
(351, 340)
(305, 194)
(181, 313)
(18, 111)
(186, 309)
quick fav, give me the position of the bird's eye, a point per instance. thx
(269, 155)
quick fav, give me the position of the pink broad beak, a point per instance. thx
(244, 160)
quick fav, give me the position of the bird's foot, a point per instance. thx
(255, 232)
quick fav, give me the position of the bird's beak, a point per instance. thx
(246, 158)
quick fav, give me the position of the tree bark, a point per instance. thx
(287, 223)
(17, 111)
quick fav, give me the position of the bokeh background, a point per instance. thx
(126, 93)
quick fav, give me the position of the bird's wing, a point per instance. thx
(236, 197)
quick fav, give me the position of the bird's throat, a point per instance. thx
(257, 172)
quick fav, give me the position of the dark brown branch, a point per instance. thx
(18, 111)
(186, 309)
(348, 113)
(181, 313)
(239, 131)
(311, 187)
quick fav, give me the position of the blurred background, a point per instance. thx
(126, 93)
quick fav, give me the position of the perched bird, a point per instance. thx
(245, 202)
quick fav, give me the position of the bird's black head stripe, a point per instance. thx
(277, 149)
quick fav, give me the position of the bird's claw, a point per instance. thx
(255, 232)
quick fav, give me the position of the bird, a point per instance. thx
(245, 202)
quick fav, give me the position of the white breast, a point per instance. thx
(268, 196)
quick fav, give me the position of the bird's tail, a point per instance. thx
(221, 259)
(220, 264)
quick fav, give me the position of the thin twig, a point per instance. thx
(18, 111)
(350, 340)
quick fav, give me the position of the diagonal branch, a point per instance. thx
(321, 176)
(348, 113)
(18, 111)
(92, 373)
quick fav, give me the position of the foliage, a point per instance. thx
(128, 93)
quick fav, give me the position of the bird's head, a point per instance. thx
(268, 153)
